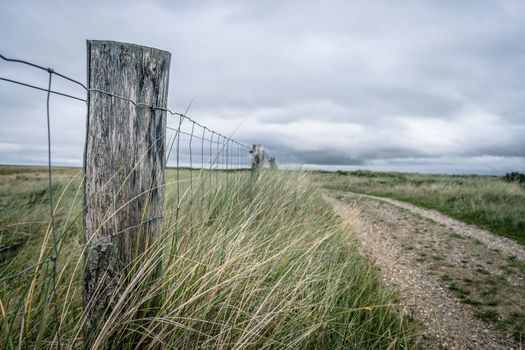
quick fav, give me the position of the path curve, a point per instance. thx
(423, 255)
(505, 245)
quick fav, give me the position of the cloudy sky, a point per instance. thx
(433, 86)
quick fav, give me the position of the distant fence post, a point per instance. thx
(124, 162)
(257, 158)
(273, 163)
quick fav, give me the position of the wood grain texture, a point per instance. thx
(258, 158)
(124, 164)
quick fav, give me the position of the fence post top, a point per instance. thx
(112, 43)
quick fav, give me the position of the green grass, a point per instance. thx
(486, 201)
(252, 266)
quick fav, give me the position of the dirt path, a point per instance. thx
(465, 286)
(505, 245)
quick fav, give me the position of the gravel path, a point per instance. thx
(463, 285)
(505, 245)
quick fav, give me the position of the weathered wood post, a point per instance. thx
(124, 164)
(257, 158)
(273, 163)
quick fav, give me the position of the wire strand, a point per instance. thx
(89, 90)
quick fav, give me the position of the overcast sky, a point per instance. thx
(434, 86)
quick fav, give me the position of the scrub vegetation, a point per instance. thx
(240, 266)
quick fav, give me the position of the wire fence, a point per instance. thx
(199, 161)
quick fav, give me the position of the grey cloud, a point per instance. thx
(323, 82)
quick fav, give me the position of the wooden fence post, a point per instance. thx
(273, 163)
(124, 162)
(257, 158)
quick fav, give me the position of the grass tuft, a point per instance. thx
(253, 266)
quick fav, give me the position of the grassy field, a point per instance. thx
(486, 201)
(243, 267)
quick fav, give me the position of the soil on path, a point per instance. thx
(465, 286)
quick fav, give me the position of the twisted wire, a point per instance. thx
(223, 155)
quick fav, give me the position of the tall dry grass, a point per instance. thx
(252, 266)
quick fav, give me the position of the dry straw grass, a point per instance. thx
(250, 267)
